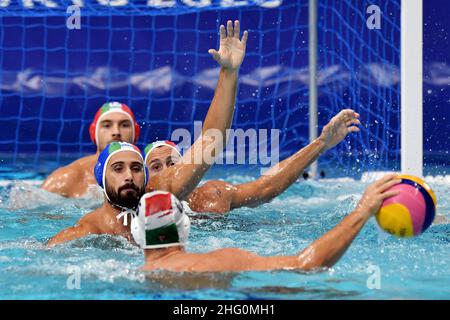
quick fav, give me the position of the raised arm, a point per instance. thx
(284, 174)
(182, 178)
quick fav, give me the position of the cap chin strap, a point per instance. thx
(124, 214)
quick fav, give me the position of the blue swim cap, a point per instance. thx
(105, 156)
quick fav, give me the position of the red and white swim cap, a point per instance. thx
(108, 108)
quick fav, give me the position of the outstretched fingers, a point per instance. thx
(233, 31)
(230, 29)
(237, 29)
(244, 38)
(223, 33)
(389, 194)
(385, 179)
(348, 115)
(352, 122)
(353, 129)
(350, 118)
(389, 184)
(347, 112)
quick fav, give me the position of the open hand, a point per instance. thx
(232, 50)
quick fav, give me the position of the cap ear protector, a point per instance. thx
(160, 221)
(105, 156)
(108, 108)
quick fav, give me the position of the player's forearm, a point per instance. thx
(326, 251)
(204, 151)
(220, 113)
(281, 176)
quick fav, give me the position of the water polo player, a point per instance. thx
(121, 173)
(161, 228)
(114, 121)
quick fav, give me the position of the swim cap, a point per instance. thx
(160, 222)
(105, 156)
(108, 108)
(157, 144)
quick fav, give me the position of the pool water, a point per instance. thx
(376, 266)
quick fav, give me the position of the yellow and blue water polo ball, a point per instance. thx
(411, 212)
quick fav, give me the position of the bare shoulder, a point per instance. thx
(66, 180)
(85, 226)
(91, 220)
(76, 167)
(61, 175)
(70, 169)
(86, 162)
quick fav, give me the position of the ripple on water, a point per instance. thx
(109, 266)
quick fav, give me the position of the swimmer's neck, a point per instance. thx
(154, 255)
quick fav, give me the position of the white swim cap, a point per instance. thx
(160, 222)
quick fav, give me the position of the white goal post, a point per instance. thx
(411, 87)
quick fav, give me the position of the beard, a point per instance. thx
(128, 199)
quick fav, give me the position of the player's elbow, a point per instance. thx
(267, 191)
(309, 260)
(312, 266)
